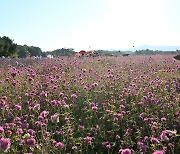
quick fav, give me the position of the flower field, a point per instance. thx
(90, 105)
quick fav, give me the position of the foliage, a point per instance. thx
(151, 52)
(7, 47)
(30, 51)
(63, 52)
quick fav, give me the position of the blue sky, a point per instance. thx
(90, 24)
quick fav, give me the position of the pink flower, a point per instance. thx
(31, 131)
(44, 113)
(18, 107)
(158, 152)
(61, 94)
(94, 108)
(88, 139)
(31, 142)
(74, 147)
(1, 129)
(163, 136)
(4, 144)
(59, 145)
(125, 151)
(80, 127)
(73, 96)
(154, 140)
(53, 102)
(54, 118)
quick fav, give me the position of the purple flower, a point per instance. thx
(23, 142)
(18, 107)
(38, 123)
(80, 127)
(74, 147)
(4, 144)
(108, 146)
(31, 131)
(61, 94)
(31, 142)
(4, 97)
(142, 146)
(54, 118)
(73, 96)
(158, 152)
(36, 107)
(125, 151)
(154, 140)
(25, 125)
(94, 108)
(117, 137)
(88, 139)
(67, 119)
(108, 111)
(163, 119)
(44, 113)
(53, 102)
(163, 136)
(59, 145)
(1, 129)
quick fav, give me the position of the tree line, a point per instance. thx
(10, 49)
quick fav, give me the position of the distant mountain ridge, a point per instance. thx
(160, 48)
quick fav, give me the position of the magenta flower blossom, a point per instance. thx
(25, 125)
(18, 107)
(59, 145)
(163, 136)
(4, 144)
(61, 94)
(23, 142)
(158, 152)
(154, 140)
(108, 111)
(73, 96)
(54, 118)
(1, 129)
(31, 142)
(125, 151)
(4, 97)
(74, 147)
(163, 119)
(44, 113)
(31, 131)
(80, 127)
(88, 139)
(94, 108)
(53, 102)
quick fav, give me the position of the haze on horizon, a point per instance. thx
(91, 24)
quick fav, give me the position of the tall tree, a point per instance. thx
(7, 47)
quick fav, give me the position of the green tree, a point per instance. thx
(23, 51)
(7, 47)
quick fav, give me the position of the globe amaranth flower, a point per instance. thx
(31, 142)
(154, 140)
(74, 147)
(55, 117)
(4, 144)
(158, 152)
(1, 130)
(73, 96)
(31, 131)
(163, 136)
(59, 145)
(125, 151)
(88, 139)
